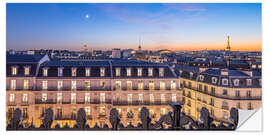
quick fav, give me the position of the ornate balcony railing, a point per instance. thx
(175, 120)
(228, 96)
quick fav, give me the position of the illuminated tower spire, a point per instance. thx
(85, 48)
(228, 47)
(140, 47)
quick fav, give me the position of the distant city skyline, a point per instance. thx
(160, 26)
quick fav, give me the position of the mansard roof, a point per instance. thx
(24, 58)
(210, 74)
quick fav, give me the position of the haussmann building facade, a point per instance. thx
(36, 82)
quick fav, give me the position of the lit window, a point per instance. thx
(173, 85)
(236, 82)
(129, 85)
(60, 71)
(26, 84)
(88, 110)
(102, 71)
(201, 77)
(225, 115)
(249, 82)
(129, 98)
(129, 113)
(26, 70)
(118, 85)
(102, 84)
(190, 74)
(102, 110)
(87, 98)
(44, 97)
(118, 97)
(87, 71)
(163, 98)
(13, 85)
(161, 72)
(139, 71)
(118, 71)
(119, 111)
(150, 71)
(140, 98)
(45, 71)
(174, 98)
(214, 80)
(163, 111)
(87, 85)
(44, 85)
(162, 85)
(59, 85)
(73, 98)
(128, 71)
(140, 85)
(73, 85)
(25, 98)
(152, 113)
(151, 85)
(152, 99)
(224, 81)
(14, 70)
(11, 97)
(102, 98)
(73, 71)
(59, 98)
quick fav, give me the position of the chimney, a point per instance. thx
(224, 72)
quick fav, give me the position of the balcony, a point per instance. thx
(24, 104)
(49, 101)
(65, 117)
(232, 97)
(11, 103)
(137, 102)
(102, 116)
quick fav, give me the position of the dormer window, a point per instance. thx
(87, 71)
(224, 81)
(139, 71)
(14, 70)
(214, 80)
(60, 71)
(236, 82)
(102, 71)
(26, 70)
(249, 82)
(201, 77)
(45, 71)
(150, 71)
(74, 71)
(180, 72)
(118, 71)
(191, 74)
(161, 72)
(128, 71)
